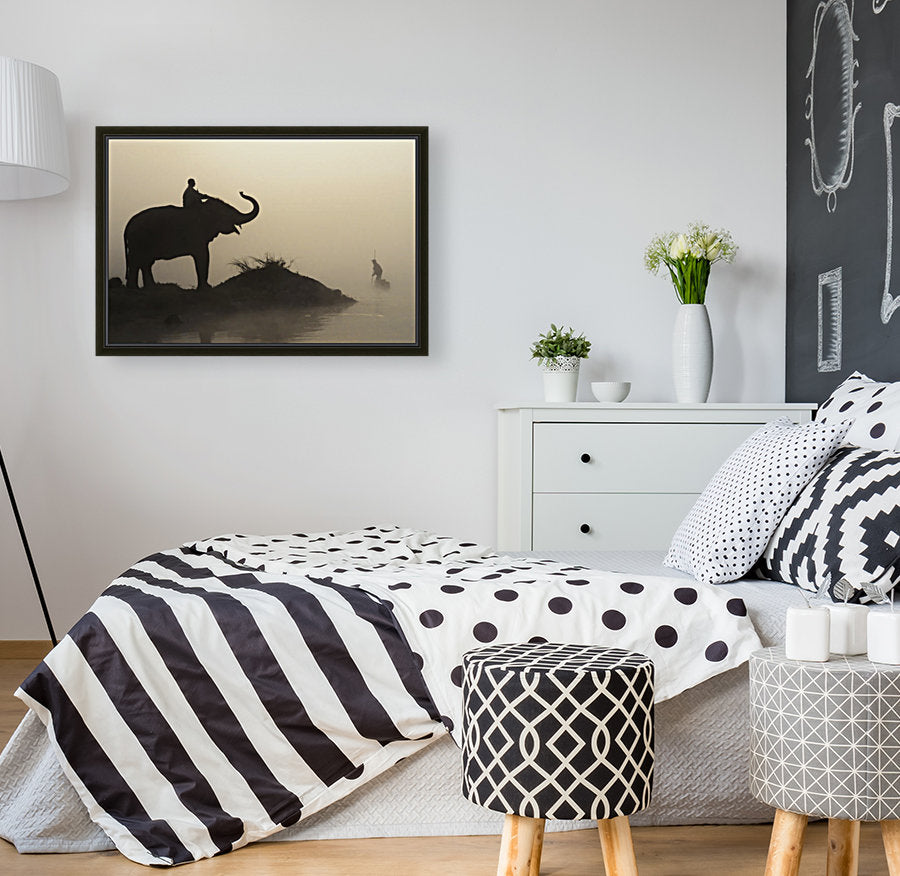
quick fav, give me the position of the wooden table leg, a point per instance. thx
(521, 846)
(890, 832)
(618, 850)
(786, 844)
(843, 847)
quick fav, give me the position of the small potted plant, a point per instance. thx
(559, 353)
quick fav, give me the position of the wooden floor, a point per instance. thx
(661, 851)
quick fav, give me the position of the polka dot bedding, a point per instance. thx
(449, 597)
(369, 549)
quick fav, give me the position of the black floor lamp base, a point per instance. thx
(34, 574)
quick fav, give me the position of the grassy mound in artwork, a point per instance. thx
(265, 301)
(272, 277)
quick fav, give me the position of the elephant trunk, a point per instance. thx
(250, 214)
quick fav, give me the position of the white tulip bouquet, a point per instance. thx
(688, 257)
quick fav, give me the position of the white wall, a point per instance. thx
(563, 135)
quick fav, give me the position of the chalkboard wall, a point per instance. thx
(843, 193)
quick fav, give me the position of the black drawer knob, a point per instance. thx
(585, 528)
(585, 457)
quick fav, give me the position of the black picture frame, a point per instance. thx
(317, 205)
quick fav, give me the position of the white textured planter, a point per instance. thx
(692, 354)
(561, 378)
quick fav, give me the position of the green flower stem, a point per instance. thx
(690, 277)
(676, 282)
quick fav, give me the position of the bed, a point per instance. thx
(376, 621)
(31, 763)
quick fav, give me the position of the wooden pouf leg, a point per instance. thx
(786, 844)
(843, 847)
(618, 851)
(890, 831)
(520, 846)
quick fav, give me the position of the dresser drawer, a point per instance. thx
(615, 521)
(631, 457)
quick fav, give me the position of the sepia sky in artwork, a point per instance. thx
(326, 205)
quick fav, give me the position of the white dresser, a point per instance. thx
(589, 476)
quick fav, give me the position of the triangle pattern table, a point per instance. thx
(825, 741)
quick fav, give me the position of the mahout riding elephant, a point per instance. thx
(169, 232)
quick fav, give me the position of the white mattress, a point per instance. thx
(701, 760)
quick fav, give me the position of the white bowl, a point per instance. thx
(611, 390)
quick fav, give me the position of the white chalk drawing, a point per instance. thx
(831, 294)
(831, 151)
(889, 302)
(878, 5)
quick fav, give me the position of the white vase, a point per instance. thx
(692, 354)
(561, 378)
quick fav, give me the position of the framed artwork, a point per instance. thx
(249, 241)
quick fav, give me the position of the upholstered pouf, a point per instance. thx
(558, 731)
(825, 741)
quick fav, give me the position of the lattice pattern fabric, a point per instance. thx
(825, 737)
(558, 731)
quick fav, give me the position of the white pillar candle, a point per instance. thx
(848, 628)
(884, 637)
(807, 634)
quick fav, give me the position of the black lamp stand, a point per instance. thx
(34, 574)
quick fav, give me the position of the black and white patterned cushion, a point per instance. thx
(844, 524)
(873, 408)
(558, 730)
(731, 522)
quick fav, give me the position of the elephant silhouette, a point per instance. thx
(170, 232)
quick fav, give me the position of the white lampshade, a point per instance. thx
(34, 158)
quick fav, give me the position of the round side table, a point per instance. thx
(825, 741)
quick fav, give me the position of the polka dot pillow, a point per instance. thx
(873, 409)
(728, 528)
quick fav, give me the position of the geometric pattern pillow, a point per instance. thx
(873, 408)
(844, 524)
(731, 522)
